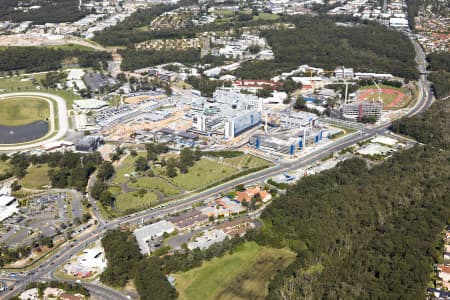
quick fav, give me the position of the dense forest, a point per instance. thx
(49, 11)
(439, 65)
(65, 170)
(37, 59)
(125, 263)
(319, 42)
(134, 59)
(432, 127)
(134, 29)
(366, 233)
(148, 273)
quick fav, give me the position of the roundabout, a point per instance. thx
(31, 119)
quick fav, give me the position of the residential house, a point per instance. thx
(444, 272)
(251, 192)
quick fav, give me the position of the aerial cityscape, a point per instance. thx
(224, 149)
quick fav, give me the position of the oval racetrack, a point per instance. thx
(63, 120)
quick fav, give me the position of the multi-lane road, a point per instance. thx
(45, 270)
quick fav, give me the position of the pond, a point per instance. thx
(24, 133)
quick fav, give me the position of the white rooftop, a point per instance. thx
(89, 104)
(384, 140)
(148, 232)
(75, 74)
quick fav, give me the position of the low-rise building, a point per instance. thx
(146, 234)
(207, 238)
(189, 220)
(235, 227)
(250, 194)
(87, 105)
(8, 206)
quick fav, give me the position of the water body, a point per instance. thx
(24, 133)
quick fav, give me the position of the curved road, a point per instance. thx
(45, 270)
(63, 120)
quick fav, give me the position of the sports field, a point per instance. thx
(36, 177)
(245, 274)
(17, 111)
(391, 97)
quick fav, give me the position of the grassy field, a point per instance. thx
(19, 83)
(126, 201)
(192, 180)
(247, 161)
(25, 83)
(126, 167)
(242, 275)
(155, 183)
(4, 167)
(37, 176)
(266, 16)
(21, 111)
(204, 172)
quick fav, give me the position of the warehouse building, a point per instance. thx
(145, 235)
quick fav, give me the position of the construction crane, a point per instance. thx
(346, 89)
(379, 90)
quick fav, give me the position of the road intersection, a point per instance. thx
(45, 270)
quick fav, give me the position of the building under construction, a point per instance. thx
(357, 110)
(288, 141)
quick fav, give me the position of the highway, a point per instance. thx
(63, 120)
(45, 270)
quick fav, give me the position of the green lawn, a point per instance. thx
(155, 183)
(18, 111)
(126, 201)
(203, 173)
(71, 47)
(242, 275)
(247, 161)
(4, 167)
(24, 83)
(37, 176)
(18, 84)
(126, 167)
(266, 16)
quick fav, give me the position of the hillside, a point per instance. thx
(364, 234)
